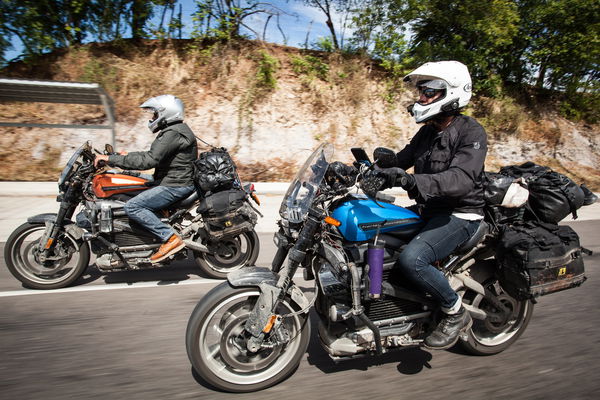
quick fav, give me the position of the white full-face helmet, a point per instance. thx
(450, 77)
(167, 109)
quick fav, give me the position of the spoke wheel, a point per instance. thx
(22, 255)
(216, 342)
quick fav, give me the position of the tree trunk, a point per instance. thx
(541, 76)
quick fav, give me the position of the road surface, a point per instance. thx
(121, 336)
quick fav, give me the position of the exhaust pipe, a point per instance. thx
(190, 244)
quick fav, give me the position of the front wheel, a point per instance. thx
(230, 254)
(22, 251)
(216, 341)
(491, 337)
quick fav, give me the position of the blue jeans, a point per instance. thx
(143, 207)
(440, 236)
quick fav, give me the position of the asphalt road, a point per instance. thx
(121, 336)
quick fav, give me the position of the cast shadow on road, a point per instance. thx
(411, 360)
(175, 272)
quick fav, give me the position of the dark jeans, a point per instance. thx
(143, 207)
(438, 239)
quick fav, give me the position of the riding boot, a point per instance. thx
(171, 246)
(446, 333)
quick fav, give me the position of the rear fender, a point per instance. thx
(261, 277)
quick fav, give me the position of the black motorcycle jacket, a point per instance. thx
(171, 155)
(448, 167)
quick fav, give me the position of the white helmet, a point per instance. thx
(452, 77)
(167, 109)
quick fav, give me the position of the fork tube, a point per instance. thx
(298, 252)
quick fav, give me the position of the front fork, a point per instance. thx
(53, 229)
(263, 318)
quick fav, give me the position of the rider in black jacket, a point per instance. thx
(171, 155)
(448, 155)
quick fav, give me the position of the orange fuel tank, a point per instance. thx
(106, 185)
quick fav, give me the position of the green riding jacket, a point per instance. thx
(171, 155)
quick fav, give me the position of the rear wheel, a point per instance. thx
(491, 337)
(231, 254)
(216, 341)
(22, 256)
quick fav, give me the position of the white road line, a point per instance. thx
(112, 286)
(26, 292)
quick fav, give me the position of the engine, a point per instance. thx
(343, 334)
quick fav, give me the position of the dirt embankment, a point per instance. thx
(268, 104)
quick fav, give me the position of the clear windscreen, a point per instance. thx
(69, 166)
(304, 186)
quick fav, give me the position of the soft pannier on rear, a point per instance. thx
(227, 213)
(536, 259)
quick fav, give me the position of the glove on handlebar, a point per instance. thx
(386, 178)
(338, 171)
(372, 183)
(398, 177)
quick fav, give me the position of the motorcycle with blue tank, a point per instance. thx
(251, 331)
(52, 251)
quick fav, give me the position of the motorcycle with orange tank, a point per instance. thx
(52, 251)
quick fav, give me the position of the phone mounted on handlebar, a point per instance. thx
(361, 157)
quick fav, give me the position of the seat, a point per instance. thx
(185, 202)
(477, 237)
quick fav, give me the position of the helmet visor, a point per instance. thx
(438, 84)
(151, 111)
(431, 89)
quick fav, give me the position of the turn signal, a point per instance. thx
(255, 198)
(332, 221)
(270, 324)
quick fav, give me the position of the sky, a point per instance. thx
(295, 21)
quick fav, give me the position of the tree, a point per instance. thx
(140, 11)
(225, 18)
(563, 42)
(329, 9)
(43, 25)
(477, 33)
(380, 29)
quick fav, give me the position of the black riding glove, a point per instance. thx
(381, 179)
(397, 177)
(338, 172)
(372, 182)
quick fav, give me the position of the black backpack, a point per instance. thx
(215, 170)
(552, 196)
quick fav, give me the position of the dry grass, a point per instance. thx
(274, 170)
(338, 95)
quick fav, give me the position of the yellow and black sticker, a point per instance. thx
(562, 271)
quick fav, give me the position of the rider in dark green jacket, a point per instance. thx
(171, 155)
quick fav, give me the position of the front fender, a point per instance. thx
(72, 229)
(42, 218)
(259, 276)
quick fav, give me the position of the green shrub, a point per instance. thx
(311, 66)
(266, 71)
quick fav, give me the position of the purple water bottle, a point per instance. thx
(375, 260)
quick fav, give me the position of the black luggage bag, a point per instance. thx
(552, 196)
(214, 171)
(536, 259)
(226, 213)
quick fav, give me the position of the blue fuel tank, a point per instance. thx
(361, 216)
